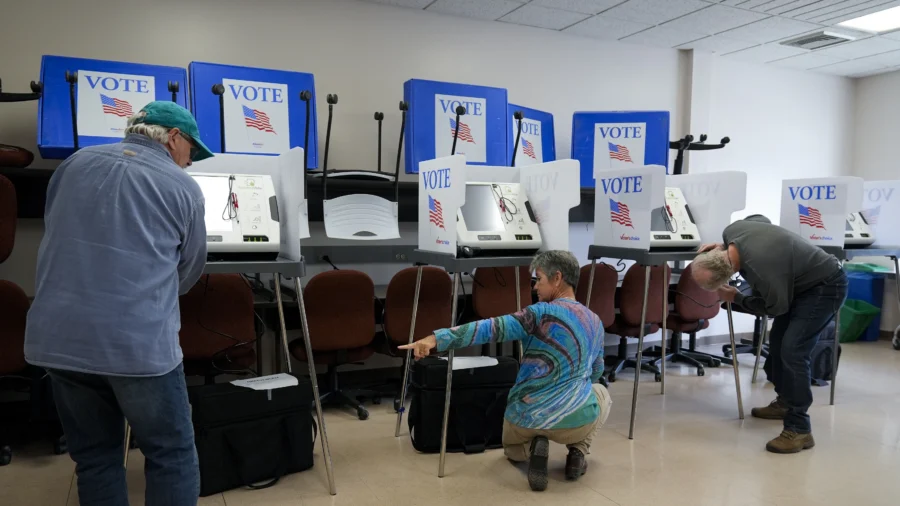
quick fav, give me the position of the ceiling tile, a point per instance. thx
(766, 53)
(891, 35)
(717, 44)
(480, 9)
(582, 6)
(809, 8)
(861, 48)
(891, 59)
(543, 17)
(599, 27)
(843, 12)
(415, 4)
(807, 61)
(654, 11)
(851, 67)
(715, 19)
(770, 29)
(660, 36)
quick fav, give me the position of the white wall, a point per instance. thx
(877, 127)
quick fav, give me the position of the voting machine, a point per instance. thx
(496, 220)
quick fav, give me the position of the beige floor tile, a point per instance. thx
(690, 449)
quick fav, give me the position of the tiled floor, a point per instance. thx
(689, 449)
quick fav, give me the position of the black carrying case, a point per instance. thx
(251, 438)
(477, 405)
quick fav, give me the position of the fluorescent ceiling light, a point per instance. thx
(878, 22)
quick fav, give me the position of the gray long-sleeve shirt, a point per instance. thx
(124, 235)
(777, 263)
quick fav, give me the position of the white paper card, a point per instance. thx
(472, 362)
(267, 382)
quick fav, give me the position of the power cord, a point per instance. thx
(507, 206)
(231, 205)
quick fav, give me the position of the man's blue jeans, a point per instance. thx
(791, 342)
(93, 409)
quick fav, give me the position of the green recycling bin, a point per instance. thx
(856, 315)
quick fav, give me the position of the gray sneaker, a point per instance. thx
(776, 410)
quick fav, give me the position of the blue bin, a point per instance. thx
(868, 287)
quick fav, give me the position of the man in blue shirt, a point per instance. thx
(124, 236)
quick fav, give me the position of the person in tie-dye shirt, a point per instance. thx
(553, 399)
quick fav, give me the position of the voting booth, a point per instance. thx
(105, 94)
(262, 109)
(712, 198)
(880, 209)
(283, 172)
(537, 142)
(618, 140)
(817, 208)
(483, 126)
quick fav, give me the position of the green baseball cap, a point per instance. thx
(171, 115)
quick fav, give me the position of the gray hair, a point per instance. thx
(551, 262)
(158, 133)
(715, 262)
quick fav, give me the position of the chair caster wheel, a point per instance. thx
(896, 342)
(612, 377)
(658, 378)
(5, 456)
(726, 349)
(60, 446)
(362, 414)
(701, 372)
(716, 363)
(396, 405)
(376, 400)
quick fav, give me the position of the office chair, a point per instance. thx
(14, 371)
(341, 321)
(628, 321)
(603, 293)
(433, 313)
(494, 293)
(694, 308)
(218, 330)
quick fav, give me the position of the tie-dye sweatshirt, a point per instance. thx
(563, 347)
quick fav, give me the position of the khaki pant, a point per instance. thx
(517, 440)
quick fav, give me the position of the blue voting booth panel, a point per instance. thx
(107, 92)
(538, 142)
(619, 140)
(483, 130)
(263, 111)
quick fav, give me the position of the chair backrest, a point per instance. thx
(218, 304)
(494, 290)
(434, 308)
(8, 216)
(692, 310)
(14, 308)
(340, 310)
(631, 295)
(603, 295)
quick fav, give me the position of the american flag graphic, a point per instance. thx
(257, 119)
(528, 149)
(115, 106)
(464, 133)
(619, 152)
(618, 213)
(871, 215)
(435, 213)
(810, 216)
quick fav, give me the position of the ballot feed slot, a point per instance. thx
(672, 225)
(857, 231)
(496, 220)
(241, 216)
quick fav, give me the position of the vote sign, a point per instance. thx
(105, 100)
(881, 206)
(256, 117)
(817, 209)
(442, 185)
(624, 199)
(472, 137)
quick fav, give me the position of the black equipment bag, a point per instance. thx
(251, 438)
(477, 405)
(821, 360)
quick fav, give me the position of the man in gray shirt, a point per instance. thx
(797, 283)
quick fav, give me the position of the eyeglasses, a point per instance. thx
(194, 149)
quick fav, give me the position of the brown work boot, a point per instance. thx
(537, 464)
(776, 410)
(790, 442)
(576, 464)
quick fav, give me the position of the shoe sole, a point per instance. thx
(579, 474)
(806, 446)
(767, 417)
(537, 464)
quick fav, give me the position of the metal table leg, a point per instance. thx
(896, 340)
(519, 345)
(282, 326)
(764, 332)
(735, 365)
(326, 451)
(665, 313)
(127, 443)
(406, 363)
(456, 282)
(640, 352)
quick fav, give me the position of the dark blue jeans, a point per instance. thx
(93, 409)
(791, 342)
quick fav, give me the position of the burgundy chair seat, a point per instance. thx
(621, 328)
(676, 323)
(298, 350)
(13, 308)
